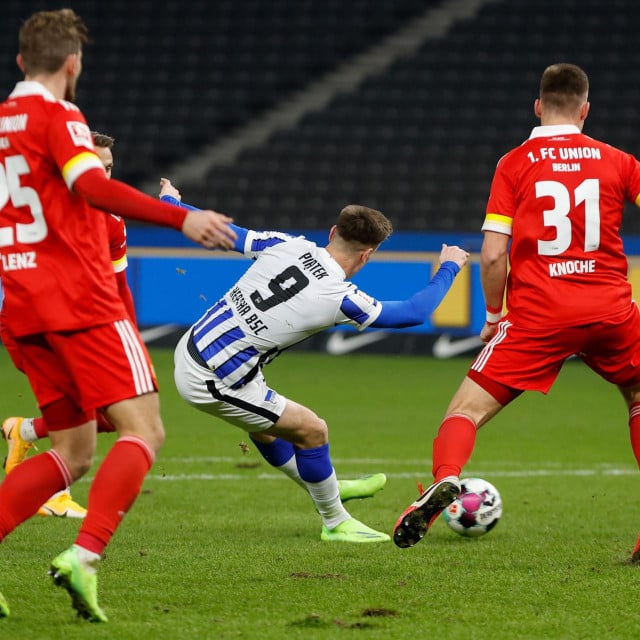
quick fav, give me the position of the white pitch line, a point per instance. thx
(531, 473)
(424, 464)
(422, 472)
(257, 458)
(155, 333)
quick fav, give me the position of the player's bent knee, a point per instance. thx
(631, 395)
(78, 465)
(317, 434)
(157, 440)
(153, 435)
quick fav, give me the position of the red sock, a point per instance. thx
(634, 429)
(634, 434)
(453, 445)
(113, 490)
(40, 427)
(29, 486)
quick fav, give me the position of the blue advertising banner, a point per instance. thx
(176, 288)
(173, 285)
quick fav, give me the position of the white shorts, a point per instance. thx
(253, 407)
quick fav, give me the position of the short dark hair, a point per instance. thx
(564, 87)
(46, 39)
(102, 140)
(357, 223)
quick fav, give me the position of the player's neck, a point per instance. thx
(346, 261)
(55, 83)
(560, 121)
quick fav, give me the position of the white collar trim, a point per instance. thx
(31, 88)
(550, 130)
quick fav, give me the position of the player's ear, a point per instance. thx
(332, 232)
(537, 108)
(366, 254)
(584, 110)
(71, 64)
(20, 62)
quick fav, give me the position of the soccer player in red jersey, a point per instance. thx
(554, 215)
(75, 340)
(20, 433)
(116, 228)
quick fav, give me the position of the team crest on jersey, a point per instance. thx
(80, 134)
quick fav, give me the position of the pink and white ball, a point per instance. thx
(476, 510)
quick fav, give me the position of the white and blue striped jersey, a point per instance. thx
(293, 290)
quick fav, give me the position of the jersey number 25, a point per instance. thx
(10, 188)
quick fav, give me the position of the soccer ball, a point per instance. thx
(476, 510)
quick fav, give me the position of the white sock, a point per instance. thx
(290, 469)
(89, 559)
(27, 432)
(326, 497)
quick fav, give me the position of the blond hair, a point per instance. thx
(46, 39)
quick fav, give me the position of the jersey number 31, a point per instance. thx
(588, 192)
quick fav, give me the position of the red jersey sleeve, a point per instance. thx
(631, 167)
(117, 242)
(116, 196)
(501, 203)
(117, 232)
(71, 145)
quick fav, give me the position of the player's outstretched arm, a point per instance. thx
(208, 228)
(414, 311)
(169, 190)
(454, 254)
(171, 195)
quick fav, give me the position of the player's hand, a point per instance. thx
(167, 189)
(454, 254)
(488, 331)
(210, 229)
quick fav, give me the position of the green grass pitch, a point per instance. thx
(219, 545)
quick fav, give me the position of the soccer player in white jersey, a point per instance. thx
(293, 290)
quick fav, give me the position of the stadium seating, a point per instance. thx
(419, 141)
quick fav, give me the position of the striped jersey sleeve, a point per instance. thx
(258, 241)
(358, 309)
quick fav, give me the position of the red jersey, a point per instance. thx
(560, 196)
(117, 232)
(54, 250)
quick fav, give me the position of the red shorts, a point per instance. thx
(530, 359)
(9, 343)
(91, 368)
